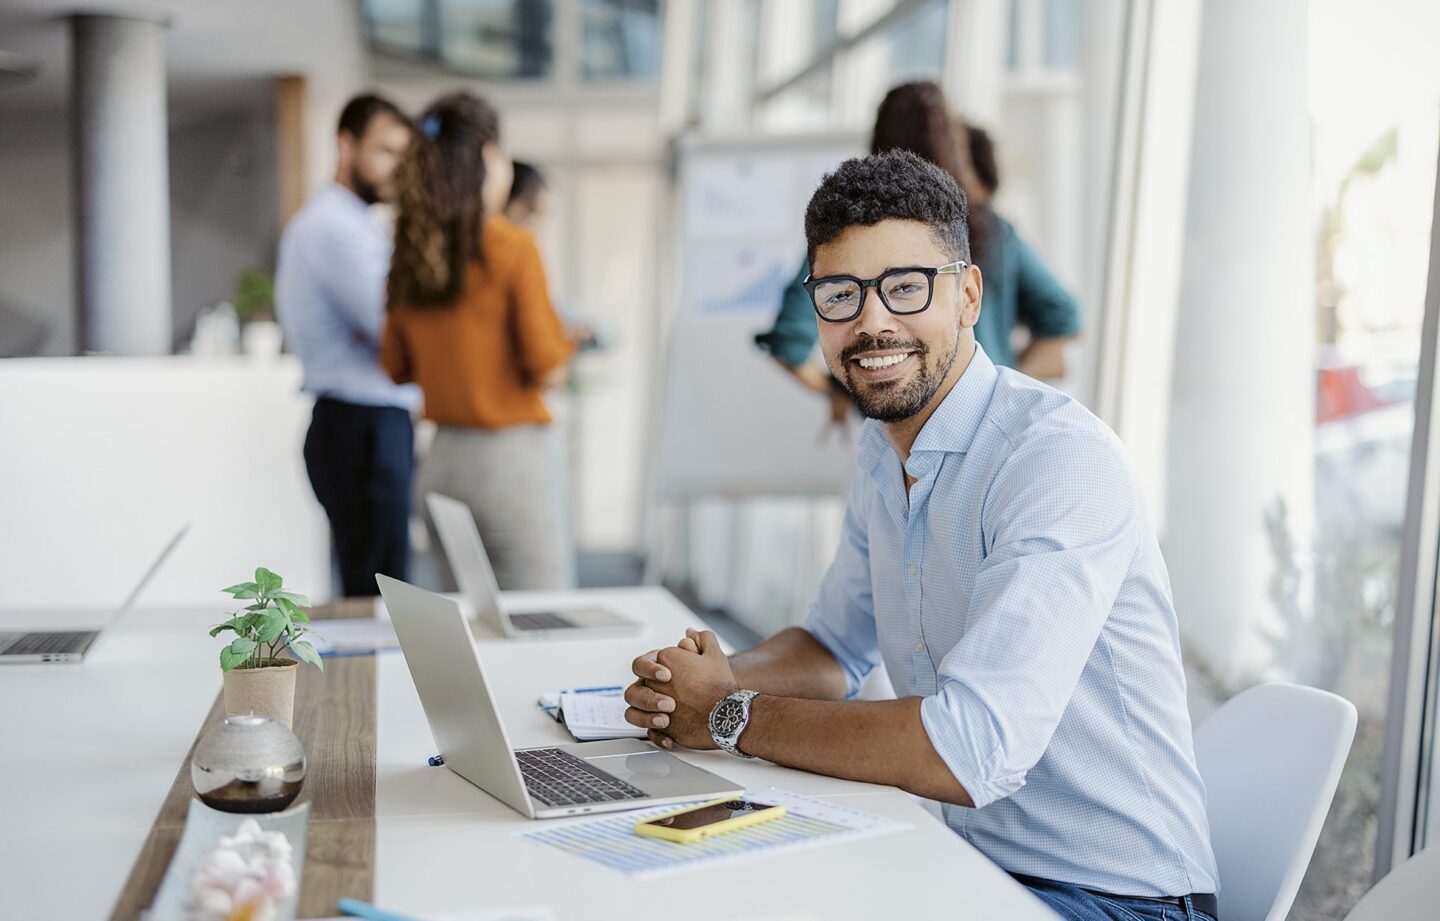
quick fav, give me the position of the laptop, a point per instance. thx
(466, 553)
(540, 783)
(32, 646)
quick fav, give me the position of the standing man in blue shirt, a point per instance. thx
(997, 558)
(330, 296)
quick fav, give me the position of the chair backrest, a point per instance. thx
(1270, 757)
(1408, 893)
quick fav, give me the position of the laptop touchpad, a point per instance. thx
(650, 771)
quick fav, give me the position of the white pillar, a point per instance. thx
(1242, 428)
(122, 190)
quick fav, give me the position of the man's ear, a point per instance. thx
(346, 144)
(972, 288)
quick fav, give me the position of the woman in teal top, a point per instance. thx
(1019, 291)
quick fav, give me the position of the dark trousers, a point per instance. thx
(361, 460)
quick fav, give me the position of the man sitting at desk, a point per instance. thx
(997, 558)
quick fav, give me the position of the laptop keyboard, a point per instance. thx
(36, 644)
(539, 620)
(557, 778)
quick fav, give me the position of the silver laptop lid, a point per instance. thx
(155, 566)
(466, 552)
(440, 652)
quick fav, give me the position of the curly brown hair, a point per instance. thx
(440, 211)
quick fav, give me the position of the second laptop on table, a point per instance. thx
(466, 552)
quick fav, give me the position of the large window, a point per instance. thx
(620, 39)
(1292, 418)
(496, 39)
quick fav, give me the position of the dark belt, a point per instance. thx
(1203, 901)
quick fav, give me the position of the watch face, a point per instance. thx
(729, 717)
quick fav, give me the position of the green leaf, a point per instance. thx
(296, 597)
(237, 652)
(242, 590)
(301, 617)
(286, 605)
(272, 625)
(267, 580)
(231, 624)
(306, 653)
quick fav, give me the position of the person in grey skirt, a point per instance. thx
(469, 318)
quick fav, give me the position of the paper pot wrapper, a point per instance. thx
(268, 691)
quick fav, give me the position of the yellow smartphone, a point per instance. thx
(693, 823)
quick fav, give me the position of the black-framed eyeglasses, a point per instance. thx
(839, 298)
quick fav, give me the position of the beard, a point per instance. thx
(365, 190)
(892, 401)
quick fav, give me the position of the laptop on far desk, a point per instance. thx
(536, 782)
(61, 646)
(460, 539)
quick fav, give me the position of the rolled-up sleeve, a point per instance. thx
(1061, 535)
(842, 616)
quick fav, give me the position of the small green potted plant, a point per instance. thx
(254, 302)
(257, 679)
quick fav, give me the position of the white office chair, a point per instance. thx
(1270, 757)
(1408, 893)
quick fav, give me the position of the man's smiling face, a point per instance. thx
(894, 365)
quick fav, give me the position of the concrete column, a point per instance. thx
(122, 185)
(1243, 417)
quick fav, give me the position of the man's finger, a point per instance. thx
(641, 697)
(670, 657)
(660, 739)
(645, 719)
(648, 666)
(708, 643)
(688, 645)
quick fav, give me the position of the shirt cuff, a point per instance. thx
(969, 746)
(855, 669)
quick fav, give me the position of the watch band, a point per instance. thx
(725, 729)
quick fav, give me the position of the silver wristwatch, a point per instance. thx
(729, 718)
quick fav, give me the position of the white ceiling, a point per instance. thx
(222, 53)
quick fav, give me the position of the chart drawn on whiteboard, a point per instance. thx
(732, 421)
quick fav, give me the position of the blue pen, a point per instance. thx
(358, 909)
(592, 690)
(342, 653)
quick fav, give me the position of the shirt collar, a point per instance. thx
(954, 423)
(343, 194)
(953, 426)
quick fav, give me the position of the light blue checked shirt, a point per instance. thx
(330, 299)
(1021, 592)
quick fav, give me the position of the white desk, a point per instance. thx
(112, 732)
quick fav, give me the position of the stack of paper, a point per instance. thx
(611, 841)
(353, 636)
(594, 716)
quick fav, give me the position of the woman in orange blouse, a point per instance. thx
(470, 321)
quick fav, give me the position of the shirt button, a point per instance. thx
(914, 569)
(919, 647)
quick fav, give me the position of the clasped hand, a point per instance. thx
(677, 687)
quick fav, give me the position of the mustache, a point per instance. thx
(883, 343)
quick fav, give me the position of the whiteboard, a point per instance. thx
(733, 422)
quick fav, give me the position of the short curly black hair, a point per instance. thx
(894, 184)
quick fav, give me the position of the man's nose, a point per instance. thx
(874, 319)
